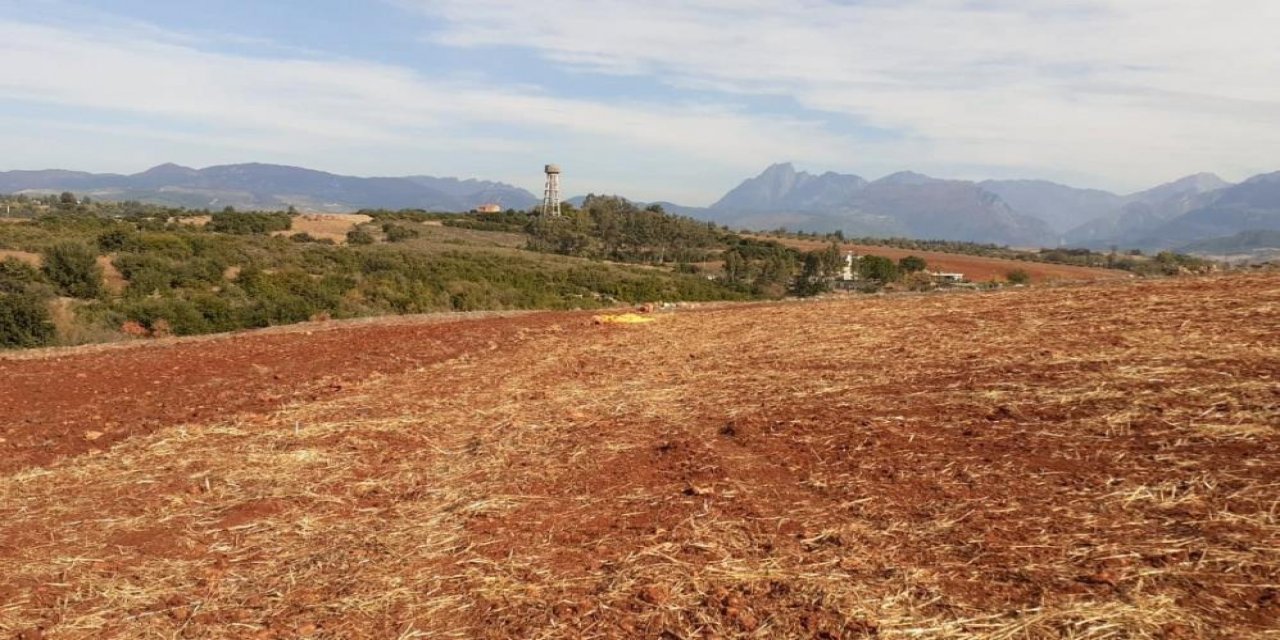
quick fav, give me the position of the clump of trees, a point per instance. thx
(612, 228)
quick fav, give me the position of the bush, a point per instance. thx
(359, 236)
(397, 233)
(24, 322)
(1018, 276)
(115, 240)
(17, 276)
(73, 268)
(249, 223)
(912, 264)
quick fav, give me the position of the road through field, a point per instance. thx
(1091, 461)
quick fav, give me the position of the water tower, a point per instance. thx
(551, 196)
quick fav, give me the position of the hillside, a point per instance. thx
(1088, 461)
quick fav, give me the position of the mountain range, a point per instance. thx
(1014, 212)
(267, 186)
(1184, 213)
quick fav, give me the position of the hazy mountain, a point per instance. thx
(782, 188)
(1253, 205)
(1061, 206)
(266, 186)
(481, 192)
(1014, 212)
(902, 204)
(1139, 214)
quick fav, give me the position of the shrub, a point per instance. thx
(918, 281)
(17, 276)
(230, 221)
(73, 268)
(359, 236)
(115, 240)
(1018, 276)
(398, 233)
(24, 322)
(912, 264)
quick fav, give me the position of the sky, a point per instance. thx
(674, 100)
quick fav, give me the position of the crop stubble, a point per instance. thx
(1091, 461)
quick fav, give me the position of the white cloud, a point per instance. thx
(289, 107)
(1134, 90)
(1114, 93)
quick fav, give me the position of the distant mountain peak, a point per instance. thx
(906, 178)
(167, 167)
(779, 167)
(1265, 178)
(1201, 182)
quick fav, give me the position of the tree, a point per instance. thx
(73, 268)
(24, 322)
(67, 200)
(1018, 276)
(735, 266)
(878, 268)
(912, 264)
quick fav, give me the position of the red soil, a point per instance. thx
(1092, 461)
(75, 401)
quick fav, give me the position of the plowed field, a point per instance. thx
(1085, 461)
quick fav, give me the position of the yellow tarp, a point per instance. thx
(625, 318)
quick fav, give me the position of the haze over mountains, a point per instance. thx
(1013, 212)
(1187, 212)
(267, 186)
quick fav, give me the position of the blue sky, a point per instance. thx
(670, 100)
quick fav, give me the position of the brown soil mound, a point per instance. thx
(1091, 461)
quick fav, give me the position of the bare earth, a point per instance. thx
(1087, 461)
(331, 226)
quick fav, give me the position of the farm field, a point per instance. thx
(975, 268)
(1094, 460)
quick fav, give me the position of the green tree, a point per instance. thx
(878, 268)
(24, 322)
(67, 200)
(1018, 276)
(912, 264)
(73, 268)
